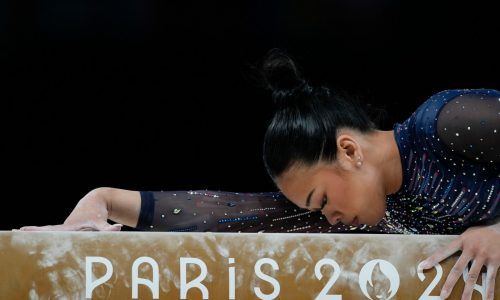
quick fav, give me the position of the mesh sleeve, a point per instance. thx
(185, 211)
(468, 125)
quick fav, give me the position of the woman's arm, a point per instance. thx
(195, 211)
(97, 207)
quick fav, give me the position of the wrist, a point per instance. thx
(93, 207)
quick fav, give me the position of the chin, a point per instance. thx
(371, 223)
(375, 221)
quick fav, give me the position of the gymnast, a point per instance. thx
(435, 173)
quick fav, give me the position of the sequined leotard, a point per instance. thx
(450, 154)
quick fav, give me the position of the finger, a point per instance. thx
(441, 254)
(455, 273)
(491, 274)
(37, 228)
(62, 227)
(108, 227)
(75, 227)
(472, 277)
(117, 227)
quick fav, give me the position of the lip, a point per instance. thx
(355, 221)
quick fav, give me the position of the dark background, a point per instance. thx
(160, 95)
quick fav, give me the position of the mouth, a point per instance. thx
(355, 221)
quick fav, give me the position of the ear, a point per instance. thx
(349, 152)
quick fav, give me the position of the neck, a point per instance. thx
(388, 160)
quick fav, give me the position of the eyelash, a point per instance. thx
(325, 200)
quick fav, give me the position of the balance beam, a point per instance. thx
(171, 265)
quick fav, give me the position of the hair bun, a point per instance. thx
(282, 76)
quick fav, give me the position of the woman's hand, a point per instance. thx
(479, 245)
(94, 209)
(81, 226)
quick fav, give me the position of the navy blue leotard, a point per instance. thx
(450, 156)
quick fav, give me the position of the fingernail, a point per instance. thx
(421, 266)
(444, 294)
(15, 230)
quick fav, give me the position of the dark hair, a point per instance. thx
(303, 129)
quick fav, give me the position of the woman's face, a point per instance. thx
(344, 191)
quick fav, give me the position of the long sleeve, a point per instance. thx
(235, 212)
(469, 126)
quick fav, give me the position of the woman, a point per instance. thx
(438, 172)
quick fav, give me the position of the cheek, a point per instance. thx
(371, 193)
(358, 193)
(345, 193)
(369, 183)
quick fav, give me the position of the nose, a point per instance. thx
(334, 221)
(333, 218)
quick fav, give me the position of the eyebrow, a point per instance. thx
(308, 200)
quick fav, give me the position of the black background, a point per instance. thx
(160, 95)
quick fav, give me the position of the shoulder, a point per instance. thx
(428, 112)
(433, 104)
(422, 125)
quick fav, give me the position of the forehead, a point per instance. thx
(298, 181)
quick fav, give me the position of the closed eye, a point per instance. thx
(325, 200)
